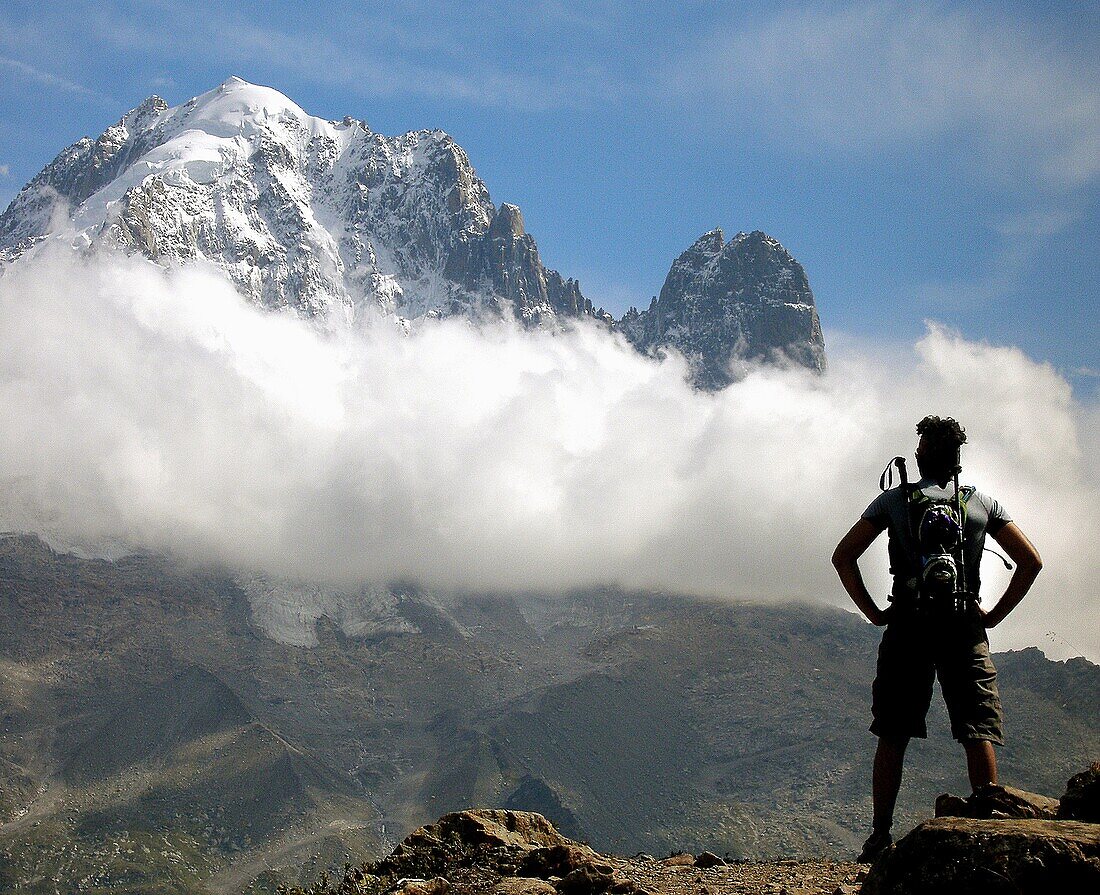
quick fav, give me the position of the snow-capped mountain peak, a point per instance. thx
(318, 216)
(330, 220)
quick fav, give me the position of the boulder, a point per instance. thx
(948, 805)
(590, 880)
(436, 886)
(683, 859)
(561, 860)
(994, 801)
(490, 837)
(585, 881)
(708, 859)
(1082, 798)
(952, 856)
(523, 885)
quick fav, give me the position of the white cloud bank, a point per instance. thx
(157, 409)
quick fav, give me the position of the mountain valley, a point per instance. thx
(153, 735)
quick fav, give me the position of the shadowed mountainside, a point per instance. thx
(149, 730)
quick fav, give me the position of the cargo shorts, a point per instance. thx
(916, 649)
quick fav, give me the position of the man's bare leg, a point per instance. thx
(885, 783)
(981, 763)
(889, 760)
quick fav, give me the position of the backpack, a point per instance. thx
(937, 526)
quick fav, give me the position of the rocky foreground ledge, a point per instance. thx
(999, 840)
(493, 852)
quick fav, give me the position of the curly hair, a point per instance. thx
(943, 438)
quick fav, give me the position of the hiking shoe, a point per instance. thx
(875, 845)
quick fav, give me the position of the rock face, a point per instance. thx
(312, 215)
(952, 855)
(998, 801)
(492, 836)
(491, 852)
(729, 302)
(505, 262)
(513, 851)
(331, 221)
(1082, 798)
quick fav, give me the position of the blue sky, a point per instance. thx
(922, 160)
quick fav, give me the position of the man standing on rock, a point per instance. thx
(935, 625)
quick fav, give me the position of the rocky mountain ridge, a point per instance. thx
(325, 218)
(493, 852)
(748, 293)
(334, 221)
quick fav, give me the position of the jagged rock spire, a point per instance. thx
(726, 304)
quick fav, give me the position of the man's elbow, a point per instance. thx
(841, 557)
(1029, 563)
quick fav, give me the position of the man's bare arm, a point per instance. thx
(1028, 563)
(845, 558)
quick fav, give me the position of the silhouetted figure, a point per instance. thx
(934, 624)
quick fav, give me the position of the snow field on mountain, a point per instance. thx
(155, 408)
(325, 217)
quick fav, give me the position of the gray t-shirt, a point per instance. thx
(889, 510)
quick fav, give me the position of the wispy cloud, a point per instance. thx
(376, 55)
(5, 170)
(1023, 238)
(48, 79)
(1039, 223)
(882, 74)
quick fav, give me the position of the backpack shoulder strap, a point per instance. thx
(886, 480)
(915, 503)
(965, 493)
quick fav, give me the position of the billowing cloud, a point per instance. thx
(156, 409)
